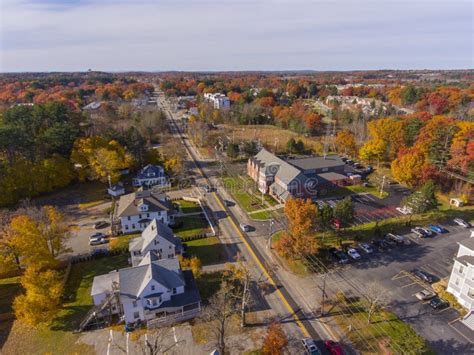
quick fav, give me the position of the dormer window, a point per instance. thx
(153, 287)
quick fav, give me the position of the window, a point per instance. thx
(461, 269)
(148, 215)
(157, 241)
(128, 218)
(174, 291)
(134, 303)
(133, 226)
(136, 315)
(140, 215)
(470, 293)
(126, 227)
(153, 302)
(457, 281)
(170, 247)
(153, 287)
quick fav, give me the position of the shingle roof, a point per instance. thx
(166, 272)
(284, 171)
(468, 243)
(330, 161)
(149, 234)
(150, 171)
(466, 259)
(128, 204)
(332, 176)
(103, 283)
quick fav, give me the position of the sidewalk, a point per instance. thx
(273, 208)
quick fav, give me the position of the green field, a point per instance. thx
(208, 250)
(191, 225)
(188, 206)
(385, 329)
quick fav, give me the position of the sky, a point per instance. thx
(215, 35)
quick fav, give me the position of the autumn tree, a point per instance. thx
(40, 240)
(97, 159)
(408, 167)
(301, 215)
(345, 143)
(275, 340)
(423, 199)
(42, 298)
(373, 150)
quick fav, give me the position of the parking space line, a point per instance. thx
(444, 309)
(413, 283)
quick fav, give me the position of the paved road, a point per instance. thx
(281, 301)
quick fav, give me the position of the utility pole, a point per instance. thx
(269, 240)
(382, 185)
(323, 299)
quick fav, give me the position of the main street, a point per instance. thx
(296, 316)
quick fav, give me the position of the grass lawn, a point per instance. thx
(59, 338)
(191, 225)
(188, 206)
(9, 289)
(260, 216)
(242, 188)
(208, 250)
(385, 330)
(93, 194)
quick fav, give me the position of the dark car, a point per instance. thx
(339, 255)
(438, 303)
(310, 346)
(100, 225)
(423, 276)
(389, 241)
(380, 244)
(333, 347)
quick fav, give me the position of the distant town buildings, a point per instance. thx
(300, 178)
(219, 101)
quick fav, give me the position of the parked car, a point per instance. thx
(349, 162)
(400, 240)
(97, 241)
(389, 241)
(229, 203)
(461, 222)
(208, 188)
(438, 303)
(333, 347)
(366, 247)
(244, 227)
(423, 276)
(97, 235)
(339, 255)
(310, 346)
(100, 225)
(425, 295)
(437, 229)
(422, 232)
(353, 253)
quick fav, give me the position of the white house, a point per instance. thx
(461, 281)
(151, 175)
(116, 190)
(155, 291)
(136, 210)
(157, 237)
(218, 100)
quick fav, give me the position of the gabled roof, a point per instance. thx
(466, 259)
(276, 166)
(166, 272)
(150, 171)
(104, 283)
(154, 229)
(330, 161)
(156, 202)
(468, 243)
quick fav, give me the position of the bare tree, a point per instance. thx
(151, 342)
(222, 306)
(375, 299)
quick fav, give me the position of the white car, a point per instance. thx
(354, 254)
(97, 241)
(425, 295)
(404, 210)
(462, 222)
(245, 227)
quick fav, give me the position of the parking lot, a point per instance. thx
(391, 269)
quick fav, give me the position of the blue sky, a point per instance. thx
(60, 35)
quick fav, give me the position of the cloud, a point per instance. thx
(49, 35)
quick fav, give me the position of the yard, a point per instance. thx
(208, 250)
(59, 338)
(188, 206)
(190, 226)
(385, 332)
(121, 242)
(371, 189)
